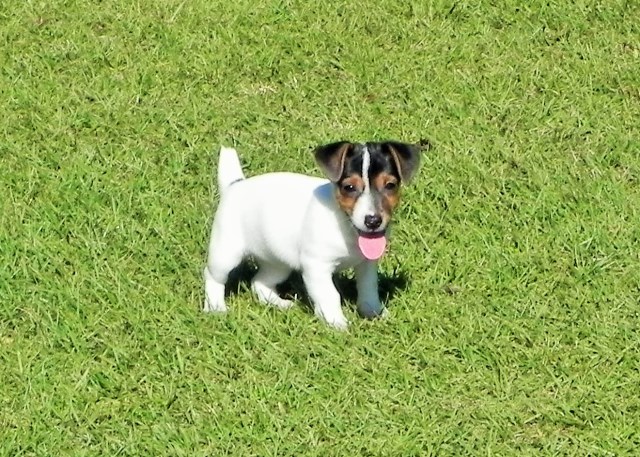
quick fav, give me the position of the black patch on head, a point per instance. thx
(342, 159)
(353, 162)
(381, 162)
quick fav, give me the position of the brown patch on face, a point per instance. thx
(388, 188)
(347, 192)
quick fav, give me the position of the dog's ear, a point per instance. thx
(407, 157)
(331, 157)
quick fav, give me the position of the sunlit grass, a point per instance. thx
(513, 278)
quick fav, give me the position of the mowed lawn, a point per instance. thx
(513, 280)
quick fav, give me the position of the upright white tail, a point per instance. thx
(229, 169)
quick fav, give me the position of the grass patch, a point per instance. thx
(515, 331)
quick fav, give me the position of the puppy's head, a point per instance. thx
(367, 178)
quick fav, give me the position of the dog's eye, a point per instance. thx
(348, 188)
(390, 185)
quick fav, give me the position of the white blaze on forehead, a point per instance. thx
(366, 163)
(364, 205)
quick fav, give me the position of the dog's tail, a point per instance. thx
(229, 169)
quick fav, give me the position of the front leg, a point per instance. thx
(326, 299)
(369, 304)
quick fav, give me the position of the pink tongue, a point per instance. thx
(372, 247)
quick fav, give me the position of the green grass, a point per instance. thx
(517, 330)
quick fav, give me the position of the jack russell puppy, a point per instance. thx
(287, 221)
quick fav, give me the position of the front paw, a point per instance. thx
(372, 310)
(340, 323)
(335, 320)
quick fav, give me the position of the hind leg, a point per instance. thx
(224, 255)
(265, 281)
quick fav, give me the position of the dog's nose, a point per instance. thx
(372, 221)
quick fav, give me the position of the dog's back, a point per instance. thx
(268, 212)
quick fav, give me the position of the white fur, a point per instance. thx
(229, 168)
(286, 222)
(364, 205)
(366, 163)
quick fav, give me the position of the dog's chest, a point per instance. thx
(330, 245)
(344, 263)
